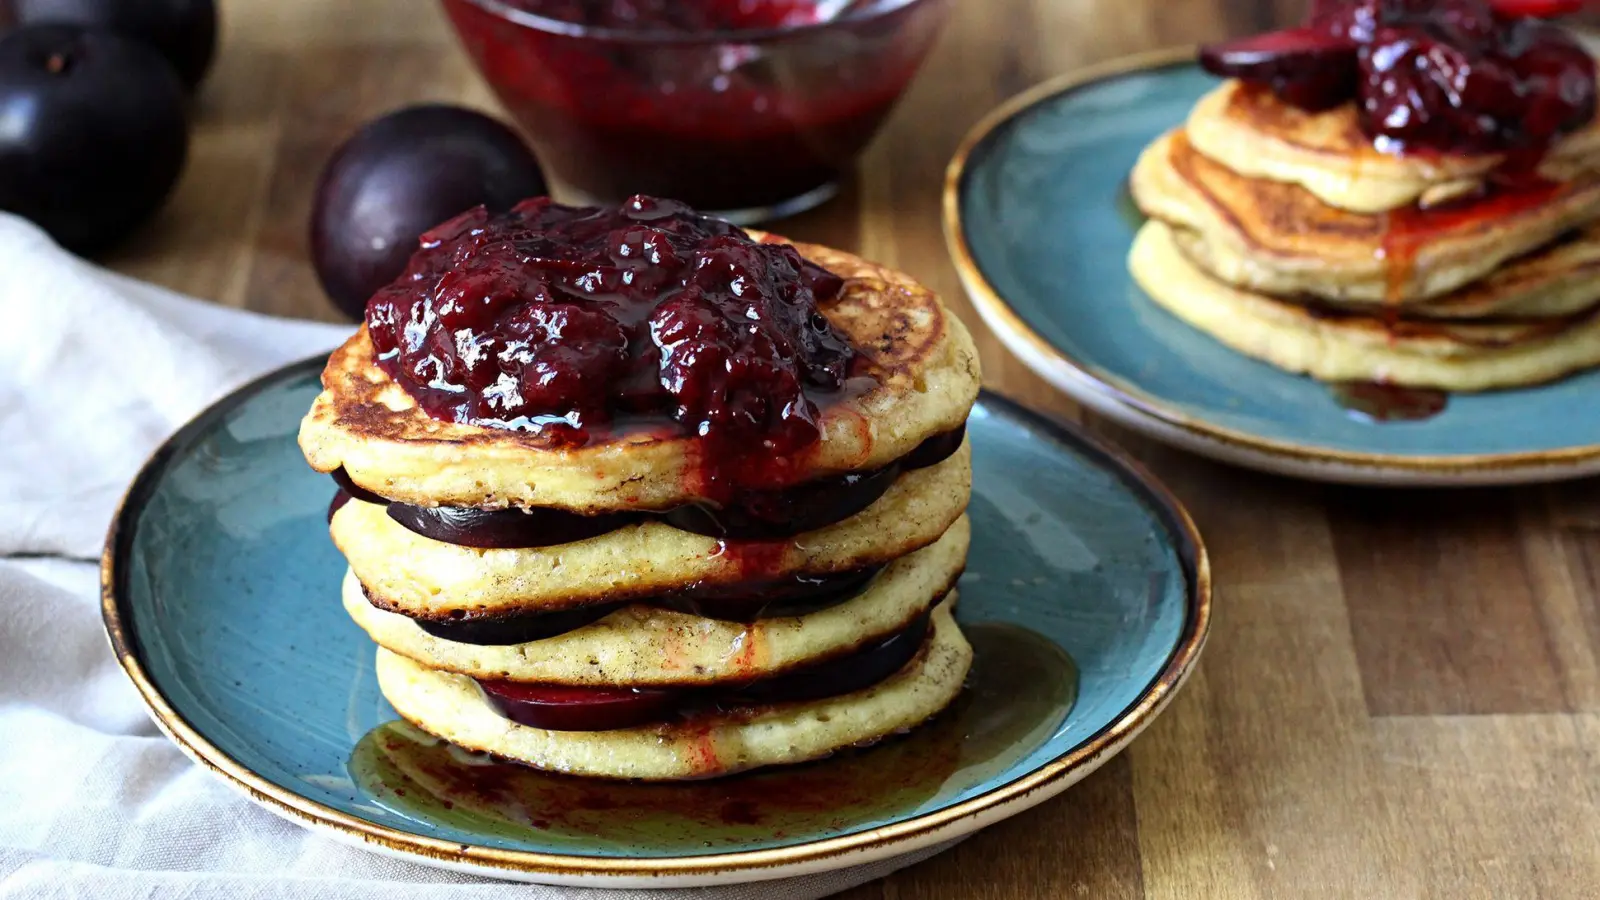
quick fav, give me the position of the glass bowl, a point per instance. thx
(749, 125)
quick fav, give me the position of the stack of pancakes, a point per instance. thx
(741, 643)
(1288, 236)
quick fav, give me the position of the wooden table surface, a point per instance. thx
(1400, 694)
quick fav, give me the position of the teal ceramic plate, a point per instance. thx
(1039, 223)
(1086, 595)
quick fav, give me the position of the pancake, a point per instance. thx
(406, 572)
(641, 645)
(1278, 239)
(453, 707)
(1448, 355)
(1257, 135)
(1556, 282)
(922, 357)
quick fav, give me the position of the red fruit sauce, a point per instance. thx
(1409, 229)
(1374, 401)
(1442, 76)
(560, 320)
(679, 98)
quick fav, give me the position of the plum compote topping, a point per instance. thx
(558, 320)
(1443, 76)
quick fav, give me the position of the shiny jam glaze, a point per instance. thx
(570, 708)
(1441, 76)
(567, 321)
(659, 102)
(556, 319)
(1409, 229)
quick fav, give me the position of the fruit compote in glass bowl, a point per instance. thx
(749, 109)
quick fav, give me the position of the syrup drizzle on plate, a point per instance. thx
(1019, 692)
(1373, 401)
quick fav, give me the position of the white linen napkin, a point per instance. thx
(95, 370)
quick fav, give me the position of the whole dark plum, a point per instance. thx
(184, 31)
(398, 177)
(94, 132)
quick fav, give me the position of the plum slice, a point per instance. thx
(572, 708)
(1307, 67)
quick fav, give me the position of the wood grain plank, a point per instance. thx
(1497, 806)
(1082, 844)
(1444, 615)
(836, 223)
(1580, 551)
(1574, 511)
(1561, 573)
(202, 241)
(1288, 12)
(1193, 22)
(901, 174)
(1258, 781)
(306, 26)
(1574, 505)
(327, 99)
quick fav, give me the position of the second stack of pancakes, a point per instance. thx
(1289, 236)
(605, 610)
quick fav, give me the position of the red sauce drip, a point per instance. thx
(1442, 76)
(756, 559)
(1406, 231)
(704, 753)
(1379, 402)
(749, 652)
(561, 321)
(1398, 250)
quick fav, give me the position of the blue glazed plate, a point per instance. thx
(1087, 596)
(1039, 224)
